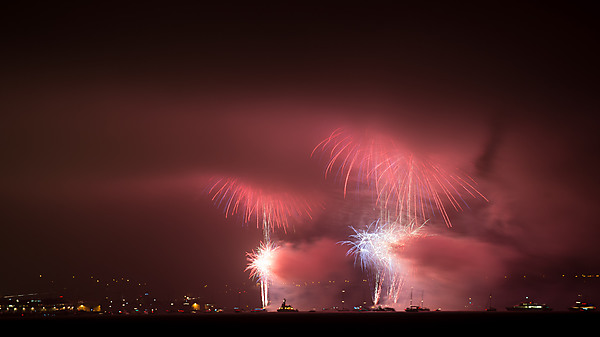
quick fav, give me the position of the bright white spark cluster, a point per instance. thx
(260, 264)
(377, 248)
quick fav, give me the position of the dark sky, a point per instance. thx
(114, 118)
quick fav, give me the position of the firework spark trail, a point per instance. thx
(260, 264)
(270, 210)
(377, 249)
(405, 185)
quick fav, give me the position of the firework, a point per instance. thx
(260, 264)
(270, 210)
(406, 185)
(377, 248)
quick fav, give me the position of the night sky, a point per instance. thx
(115, 117)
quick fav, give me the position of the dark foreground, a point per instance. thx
(468, 322)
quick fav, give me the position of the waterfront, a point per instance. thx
(339, 321)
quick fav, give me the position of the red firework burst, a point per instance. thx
(270, 209)
(406, 185)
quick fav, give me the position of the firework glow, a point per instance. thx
(260, 265)
(333, 156)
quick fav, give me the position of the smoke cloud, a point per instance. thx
(449, 270)
(311, 274)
